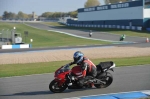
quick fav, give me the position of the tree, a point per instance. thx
(29, 16)
(65, 14)
(56, 15)
(114, 1)
(73, 14)
(12, 15)
(9, 15)
(22, 15)
(0, 17)
(5, 15)
(47, 14)
(91, 3)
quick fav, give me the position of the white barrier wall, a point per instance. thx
(16, 46)
(147, 13)
(113, 14)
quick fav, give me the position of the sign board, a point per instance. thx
(26, 33)
(18, 40)
(105, 7)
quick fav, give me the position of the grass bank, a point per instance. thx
(115, 31)
(48, 67)
(44, 38)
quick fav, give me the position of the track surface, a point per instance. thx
(84, 33)
(36, 86)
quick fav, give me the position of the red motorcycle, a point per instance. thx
(64, 75)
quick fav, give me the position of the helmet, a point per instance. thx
(78, 57)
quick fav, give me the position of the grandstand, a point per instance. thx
(133, 15)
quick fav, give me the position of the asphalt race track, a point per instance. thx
(84, 33)
(36, 86)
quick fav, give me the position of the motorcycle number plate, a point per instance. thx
(79, 73)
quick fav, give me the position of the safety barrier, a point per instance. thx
(18, 46)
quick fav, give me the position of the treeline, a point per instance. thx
(19, 15)
(59, 14)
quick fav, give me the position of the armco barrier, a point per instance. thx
(18, 46)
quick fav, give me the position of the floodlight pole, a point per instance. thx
(2, 34)
(12, 35)
(7, 35)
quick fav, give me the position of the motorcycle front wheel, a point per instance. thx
(107, 78)
(53, 86)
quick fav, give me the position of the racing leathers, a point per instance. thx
(89, 71)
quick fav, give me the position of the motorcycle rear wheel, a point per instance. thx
(53, 86)
(108, 79)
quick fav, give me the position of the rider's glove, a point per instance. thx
(71, 63)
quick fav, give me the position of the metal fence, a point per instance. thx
(5, 35)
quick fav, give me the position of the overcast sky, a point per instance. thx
(41, 6)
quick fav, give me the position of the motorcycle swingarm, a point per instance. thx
(97, 81)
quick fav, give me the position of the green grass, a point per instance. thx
(43, 38)
(115, 31)
(48, 67)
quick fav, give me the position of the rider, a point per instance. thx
(90, 33)
(89, 70)
(123, 37)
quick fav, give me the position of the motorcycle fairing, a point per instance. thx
(76, 71)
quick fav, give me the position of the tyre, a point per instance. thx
(53, 86)
(107, 79)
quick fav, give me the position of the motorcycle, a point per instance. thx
(90, 34)
(64, 75)
(122, 38)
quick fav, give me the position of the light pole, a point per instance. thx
(31, 40)
(2, 34)
(7, 35)
(12, 35)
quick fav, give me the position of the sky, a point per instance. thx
(41, 6)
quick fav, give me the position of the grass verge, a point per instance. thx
(43, 38)
(49, 67)
(115, 31)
